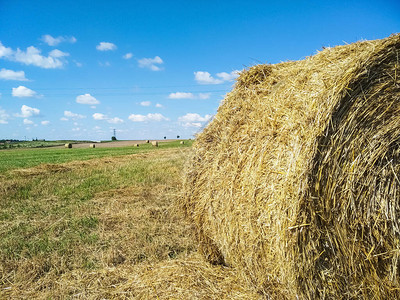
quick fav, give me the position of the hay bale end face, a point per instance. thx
(295, 181)
(92, 146)
(182, 142)
(154, 143)
(68, 145)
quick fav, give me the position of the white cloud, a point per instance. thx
(99, 116)
(193, 117)
(3, 117)
(228, 76)
(49, 40)
(45, 123)
(193, 124)
(149, 117)
(204, 96)
(76, 129)
(137, 118)
(32, 56)
(57, 53)
(115, 120)
(27, 112)
(28, 122)
(205, 78)
(145, 103)
(12, 75)
(23, 92)
(73, 116)
(151, 63)
(52, 41)
(156, 117)
(128, 56)
(158, 105)
(87, 99)
(5, 52)
(105, 46)
(181, 95)
(63, 119)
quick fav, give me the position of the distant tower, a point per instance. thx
(114, 138)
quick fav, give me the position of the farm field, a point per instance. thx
(101, 223)
(29, 157)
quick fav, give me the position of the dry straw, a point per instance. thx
(295, 182)
(68, 145)
(92, 146)
(154, 143)
(136, 145)
(147, 141)
(182, 142)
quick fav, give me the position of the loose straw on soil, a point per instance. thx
(295, 182)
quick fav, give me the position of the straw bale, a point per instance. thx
(136, 145)
(182, 142)
(68, 145)
(295, 182)
(92, 146)
(154, 143)
(147, 141)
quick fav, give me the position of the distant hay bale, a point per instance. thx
(154, 143)
(135, 145)
(182, 142)
(68, 145)
(295, 182)
(147, 141)
(92, 146)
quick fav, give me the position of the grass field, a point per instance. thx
(30, 157)
(100, 223)
(33, 144)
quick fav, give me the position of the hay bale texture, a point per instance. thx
(295, 182)
(155, 143)
(92, 146)
(68, 145)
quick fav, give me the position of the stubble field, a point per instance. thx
(101, 223)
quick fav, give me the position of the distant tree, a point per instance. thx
(165, 137)
(177, 136)
(113, 138)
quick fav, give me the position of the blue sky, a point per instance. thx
(149, 69)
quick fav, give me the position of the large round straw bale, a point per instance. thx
(135, 145)
(92, 146)
(182, 142)
(68, 145)
(154, 143)
(295, 182)
(147, 141)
